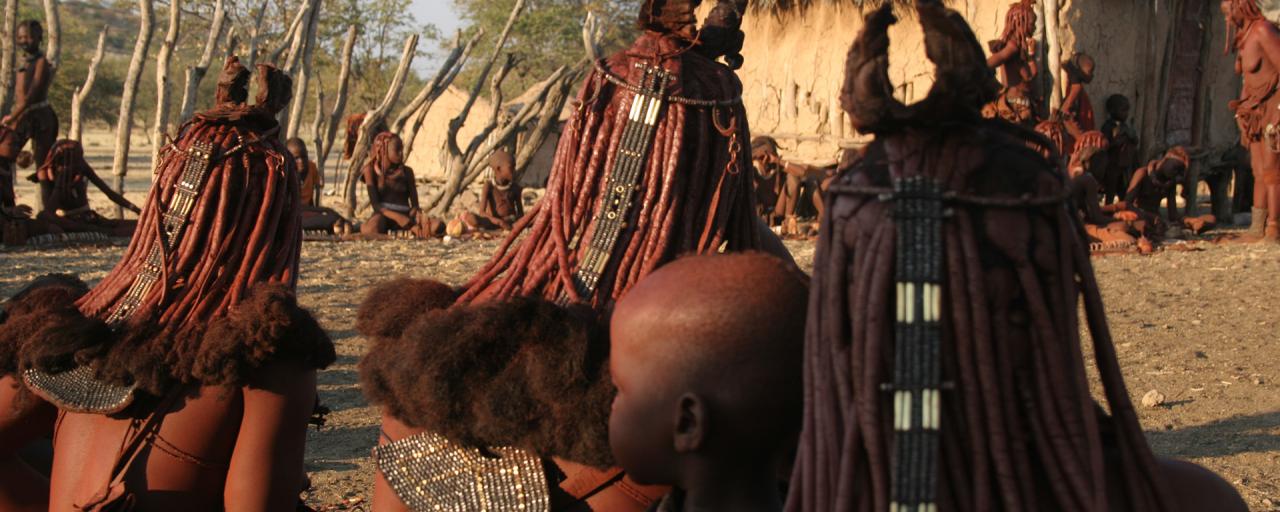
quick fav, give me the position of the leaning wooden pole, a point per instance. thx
(1054, 57)
(160, 128)
(339, 104)
(317, 128)
(255, 35)
(196, 73)
(7, 54)
(77, 98)
(374, 118)
(412, 115)
(124, 123)
(300, 68)
(53, 33)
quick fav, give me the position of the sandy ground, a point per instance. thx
(1198, 326)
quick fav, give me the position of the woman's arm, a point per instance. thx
(266, 471)
(114, 196)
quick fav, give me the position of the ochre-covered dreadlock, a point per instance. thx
(224, 303)
(1016, 426)
(694, 194)
(1019, 23)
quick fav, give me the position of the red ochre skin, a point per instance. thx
(1257, 49)
(231, 344)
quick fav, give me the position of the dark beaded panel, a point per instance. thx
(629, 163)
(918, 215)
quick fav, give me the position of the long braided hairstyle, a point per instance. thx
(1019, 23)
(63, 168)
(694, 194)
(1018, 428)
(243, 230)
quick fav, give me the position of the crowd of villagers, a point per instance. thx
(640, 341)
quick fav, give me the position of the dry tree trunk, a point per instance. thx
(290, 36)
(124, 124)
(374, 118)
(77, 99)
(422, 103)
(195, 74)
(160, 128)
(233, 43)
(455, 158)
(255, 35)
(53, 33)
(317, 127)
(339, 104)
(548, 96)
(8, 51)
(299, 67)
(548, 118)
(1054, 57)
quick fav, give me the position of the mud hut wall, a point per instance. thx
(425, 159)
(795, 66)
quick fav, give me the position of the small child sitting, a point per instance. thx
(706, 355)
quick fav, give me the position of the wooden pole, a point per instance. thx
(77, 99)
(7, 54)
(124, 123)
(53, 32)
(160, 128)
(300, 67)
(339, 104)
(255, 35)
(317, 127)
(196, 73)
(374, 118)
(418, 108)
(1054, 44)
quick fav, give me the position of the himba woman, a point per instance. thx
(393, 192)
(64, 187)
(1014, 54)
(185, 379)
(654, 162)
(944, 367)
(1255, 41)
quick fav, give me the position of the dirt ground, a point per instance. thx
(1198, 326)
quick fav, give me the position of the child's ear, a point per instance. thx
(691, 424)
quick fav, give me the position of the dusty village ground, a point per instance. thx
(1200, 326)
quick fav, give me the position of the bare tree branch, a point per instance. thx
(339, 103)
(77, 99)
(448, 72)
(8, 51)
(455, 160)
(301, 55)
(290, 36)
(53, 32)
(124, 123)
(374, 118)
(255, 36)
(195, 74)
(436, 85)
(159, 128)
(317, 130)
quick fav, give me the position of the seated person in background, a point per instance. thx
(708, 371)
(1061, 139)
(393, 193)
(1100, 227)
(64, 187)
(501, 205)
(1151, 184)
(314, 217)
(1122, 148)
(779, 184)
